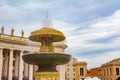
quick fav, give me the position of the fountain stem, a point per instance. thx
(46, 45)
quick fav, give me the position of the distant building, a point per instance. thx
(111, 70)
(95, 72)
(75, 70)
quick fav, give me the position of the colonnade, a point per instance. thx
(12, 66)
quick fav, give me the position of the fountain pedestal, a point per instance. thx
(46, 76)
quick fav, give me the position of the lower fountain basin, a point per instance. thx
(46, 58)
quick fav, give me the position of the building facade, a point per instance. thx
(111, 70)
(94, 72)
(12, 66)
(75, 70)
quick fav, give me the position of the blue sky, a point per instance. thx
(91, 27)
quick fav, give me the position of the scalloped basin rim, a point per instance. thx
(46, 58)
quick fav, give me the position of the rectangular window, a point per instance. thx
(68, 69)
(104, 72)
(117, 71)
(81, 72)
(110, 71)
(74, 69)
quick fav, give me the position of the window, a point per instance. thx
(117, 71)
(104, 71)
(13, 62)
(74, 69)
(82, 78)
(68, 69)
(81, 71)
(110, 71)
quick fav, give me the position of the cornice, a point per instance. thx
(17, 40)
(110, 64)
(80, 63)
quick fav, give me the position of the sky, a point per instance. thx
(91, 27)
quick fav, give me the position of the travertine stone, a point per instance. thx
(25, 70)
(21, 66)
(16, 64)
(5, 66)
(10, 65)
(30, 72)
(1, 62)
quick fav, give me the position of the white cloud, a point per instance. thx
(103, 28)
(107, 27)
(23, 9)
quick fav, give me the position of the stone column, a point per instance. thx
(16, 65)
(35, 68)
(61, 69)
(20, 66)
(30, 72)
(1, 62)
(5, 65)
(25, 71)
(10, 65)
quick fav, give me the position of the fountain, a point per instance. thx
(46, 59)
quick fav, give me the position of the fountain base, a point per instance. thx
(46, 76)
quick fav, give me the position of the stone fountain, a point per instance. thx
(46, 59)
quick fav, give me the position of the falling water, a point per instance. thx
(47, 22)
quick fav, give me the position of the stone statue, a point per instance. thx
(2, 29)
(22, 33)
(12, 32)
